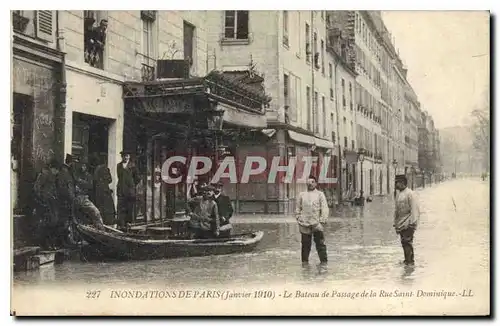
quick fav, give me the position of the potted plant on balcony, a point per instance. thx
(19, 22)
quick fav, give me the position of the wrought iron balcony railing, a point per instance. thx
(148, 72)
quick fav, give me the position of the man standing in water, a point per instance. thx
(312, 213)
(406, 217)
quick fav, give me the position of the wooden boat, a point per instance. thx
(115, 244)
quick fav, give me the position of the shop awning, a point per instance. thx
(241, 118)
(310, 140)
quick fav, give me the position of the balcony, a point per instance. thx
(148, 72)
(19, 22)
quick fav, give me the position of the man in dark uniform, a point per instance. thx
(127, 181)
(47, 211)
(65, 184)
(223, 204)
(103, 195)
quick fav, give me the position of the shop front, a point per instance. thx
(203, 117)
(37, 119)
(290, 141)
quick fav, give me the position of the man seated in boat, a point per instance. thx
(84, 208)
(205, 220)
(225, 209)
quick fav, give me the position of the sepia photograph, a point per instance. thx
(250, 163)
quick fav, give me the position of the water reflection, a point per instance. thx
(362, 249)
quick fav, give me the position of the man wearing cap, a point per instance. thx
(65, 184)
(406, 217)
(312, 213)
(83, 189)
(127, 181)
(47, 206)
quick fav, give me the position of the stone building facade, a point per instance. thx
(289, 49)
(37, 113)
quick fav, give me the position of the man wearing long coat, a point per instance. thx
(126, 189)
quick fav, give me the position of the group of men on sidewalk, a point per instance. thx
(68, 191)
(312, 214)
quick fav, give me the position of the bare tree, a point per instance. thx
(481, 134)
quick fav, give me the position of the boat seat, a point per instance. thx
(159, 228)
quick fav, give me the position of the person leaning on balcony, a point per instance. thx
(312, 213)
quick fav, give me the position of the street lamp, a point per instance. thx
(412, 177)
(361, 158)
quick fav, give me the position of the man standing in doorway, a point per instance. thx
(406, 217)
(127, 181)
(312, 213)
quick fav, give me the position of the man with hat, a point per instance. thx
(406, 217)
(65, 184)
(223, 204)
(125, 189)
(83, 189)
(47, 205)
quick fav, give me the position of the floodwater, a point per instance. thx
(451, 248)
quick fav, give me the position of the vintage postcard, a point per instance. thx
(232, 162)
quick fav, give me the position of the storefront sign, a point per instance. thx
(25, 73)
(166, 105)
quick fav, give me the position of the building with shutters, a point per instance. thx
(289, 49)
(144, 82)
(37, 113)
(387, 115)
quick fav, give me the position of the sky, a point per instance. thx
(438, 48)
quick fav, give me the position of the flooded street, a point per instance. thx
(451, 247)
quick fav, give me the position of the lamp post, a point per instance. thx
(361, 157)
(395, 164)
(412, 177)
(215, 121)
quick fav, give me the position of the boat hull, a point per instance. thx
(125, 246)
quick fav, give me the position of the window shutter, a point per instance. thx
(45, 25)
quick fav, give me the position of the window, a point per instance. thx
(350, 95)
(330, 70)
(309, 113)
(94, 35)
(323, 57)
(323, 103)
(148, 66)
(353, 144)
(343, 93)
(331, 124)
(285, 28)
(315, 50)
(308, 43)
(189, 42)
(236, 24)
(315, 112)
(286, 89)
(147, 38)
(345, 142)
